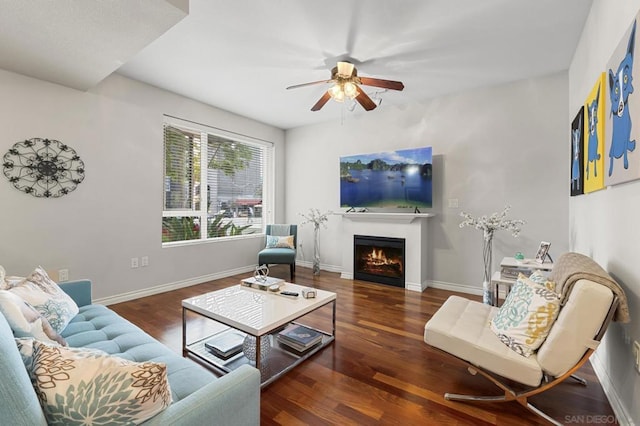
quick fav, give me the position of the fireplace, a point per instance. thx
(379, 259)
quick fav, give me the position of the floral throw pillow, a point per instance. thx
(47, 297)
(25, 346)
(274, 241)
(25, 321)
(88, 386)
(526, 316)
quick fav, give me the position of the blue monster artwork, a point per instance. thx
(592, 152)
(577, 159)
(620, 87)
(575, 164)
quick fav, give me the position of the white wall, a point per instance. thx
(495, 146)
(601, 223)
(115, 214)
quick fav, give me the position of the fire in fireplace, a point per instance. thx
(379, 259)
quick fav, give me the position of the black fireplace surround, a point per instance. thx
(379, 259)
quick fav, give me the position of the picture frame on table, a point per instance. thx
(543, 251)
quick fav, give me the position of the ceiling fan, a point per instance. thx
(347, 85)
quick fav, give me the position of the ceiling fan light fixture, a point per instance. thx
(350, 89)
(336, 93)
(346, 86)
(343, 90)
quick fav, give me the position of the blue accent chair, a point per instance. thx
(278, 255)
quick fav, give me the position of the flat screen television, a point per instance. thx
(391, 179)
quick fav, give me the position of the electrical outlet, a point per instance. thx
(134, 262)
(63, 275)
(144, 261)
(636, 355)
(453, 203)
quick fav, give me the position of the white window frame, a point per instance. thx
(268, 186)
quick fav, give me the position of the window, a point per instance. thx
(214, 182)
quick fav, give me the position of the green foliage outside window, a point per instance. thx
(187, 228)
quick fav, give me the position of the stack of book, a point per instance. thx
(226, 344)
(511, 272)
(299, 337)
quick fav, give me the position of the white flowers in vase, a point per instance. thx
(489, 225)
(495, 222)
(314, 216)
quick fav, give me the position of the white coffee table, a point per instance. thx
(260, 314)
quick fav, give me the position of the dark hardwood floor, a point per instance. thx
(378, 370)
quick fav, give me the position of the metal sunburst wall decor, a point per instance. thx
(43, 167)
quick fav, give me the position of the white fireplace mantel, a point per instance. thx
(412, 227)
(391, 217)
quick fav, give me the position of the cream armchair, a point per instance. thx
(590, 300)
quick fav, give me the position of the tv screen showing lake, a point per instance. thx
(401, 178)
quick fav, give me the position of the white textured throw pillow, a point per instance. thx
(24, 320)
(88, 386)
(47, 297)
(526, 316)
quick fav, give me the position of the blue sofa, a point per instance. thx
(199, 397)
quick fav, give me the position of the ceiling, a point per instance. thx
(76, 43)
(240, 55)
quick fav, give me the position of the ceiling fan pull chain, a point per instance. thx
(342, 114)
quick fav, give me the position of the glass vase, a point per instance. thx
(487, 253)
(249, 347)
(316, 251)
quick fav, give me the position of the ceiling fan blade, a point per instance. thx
(308, 84)
(323, 100)
(364, 100)
(386, 84)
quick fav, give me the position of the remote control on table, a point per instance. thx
(289, 293)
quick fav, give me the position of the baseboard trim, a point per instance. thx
(460, 288)
(615, 401)
(323, 266)
(416, 286)
(125, 297)
(435, 284)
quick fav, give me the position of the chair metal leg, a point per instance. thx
(292, 270)
(579, 379)
(542, 414)
(484, 398)
(503, 398)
